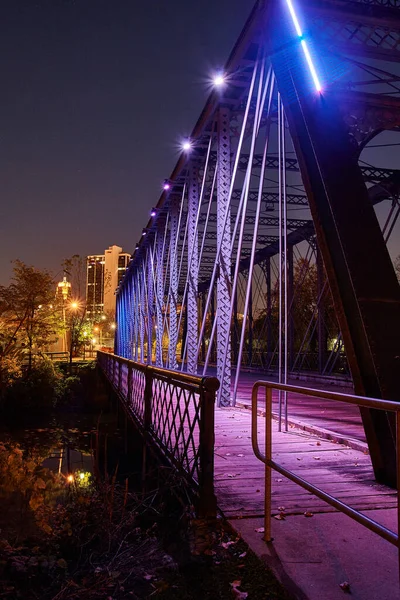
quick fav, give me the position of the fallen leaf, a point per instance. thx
(345, 586)
(259, 530)
(318, 443)
(316, 457)
(279, 480)
(280, 517)
(226, 544)
(242, 555)
(237, 593)
(308, 514)
(281, 508)
(228, 454)
(240, 455)
(258, 490)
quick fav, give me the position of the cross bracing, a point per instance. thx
(269, 248)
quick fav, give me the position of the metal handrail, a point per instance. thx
(144, 415)
(387, 405)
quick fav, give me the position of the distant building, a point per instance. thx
(63, 290)
(103, 274)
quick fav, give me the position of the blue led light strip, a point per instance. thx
(306, 51)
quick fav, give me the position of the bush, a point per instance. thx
(36, 388)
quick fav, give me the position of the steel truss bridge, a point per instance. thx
(268, 246)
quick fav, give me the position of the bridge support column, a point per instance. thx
(159, 267)
(224, 242)
(173, 285)
(142, 312)
(193, 271)
(135, 311)
(150, 305)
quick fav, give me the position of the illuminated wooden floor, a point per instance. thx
(239, 476)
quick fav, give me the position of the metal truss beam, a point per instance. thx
(192, 271)
(173, 285)
(224, 242)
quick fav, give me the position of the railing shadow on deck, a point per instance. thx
(174, 411)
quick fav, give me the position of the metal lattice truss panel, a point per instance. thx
(230, 270)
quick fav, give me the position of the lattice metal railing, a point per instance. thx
(175, 411)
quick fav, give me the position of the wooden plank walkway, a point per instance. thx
(337, 469)
(340, 418)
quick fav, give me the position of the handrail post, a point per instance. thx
(207, 499)
(268, 458)
(119, 376)
(129, 386)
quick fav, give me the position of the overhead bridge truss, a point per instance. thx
(269, 248)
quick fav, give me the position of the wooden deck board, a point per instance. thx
(335, 468)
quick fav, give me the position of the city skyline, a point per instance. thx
(83, 127)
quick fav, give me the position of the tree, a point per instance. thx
(28, 316)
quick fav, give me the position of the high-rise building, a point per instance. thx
(103, 274)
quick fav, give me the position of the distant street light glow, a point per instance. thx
(153, 212)
(186, 145)
(166, 186)
(306, 51)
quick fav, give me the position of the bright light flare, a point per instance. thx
(306, 51)
(219, 80)
(186, 145)
(70, 478)
(153, 212)
(166, 186)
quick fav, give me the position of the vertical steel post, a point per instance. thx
(250, 346)
(159, 293)
(268, 458)
(203, 341)
(192, 316)
(142, 322)
(235, 337)
(150, 305)
(173, 284)
(224, 242)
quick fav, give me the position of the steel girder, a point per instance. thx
(224, 244)
(159, 267)
(363, 284)
(192, 317)
(150, 304)
(173, 284)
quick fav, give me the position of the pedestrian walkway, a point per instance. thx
(335, 420)
(315, 549)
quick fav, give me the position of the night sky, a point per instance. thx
(94, 96)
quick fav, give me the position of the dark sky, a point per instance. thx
(94, 95)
